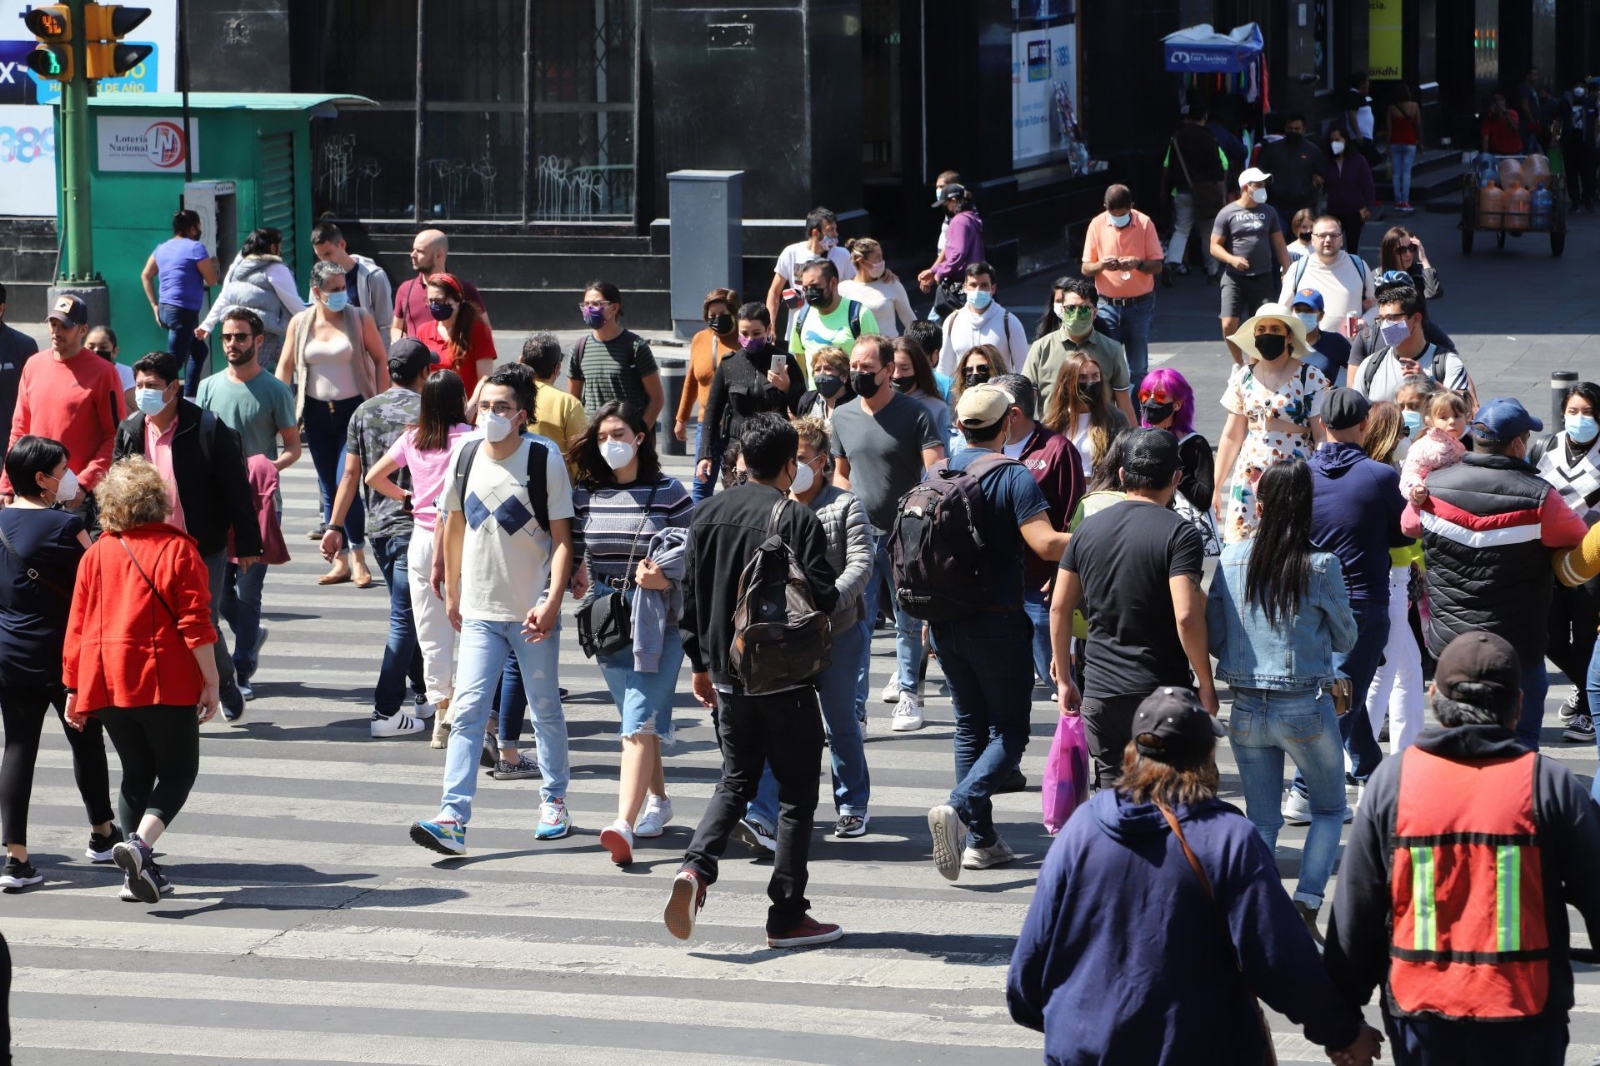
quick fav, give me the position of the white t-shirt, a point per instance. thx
(505, 558)
(792, 258)
(1387, 377)
(1081, 441)
(1343, 286)
(965, 330)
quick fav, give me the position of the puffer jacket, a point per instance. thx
(844, 521)
(1292, 655)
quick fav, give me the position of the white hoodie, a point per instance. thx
(965, 330)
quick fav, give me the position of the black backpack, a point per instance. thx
(941, 569)
(538, 487)
(780, 639)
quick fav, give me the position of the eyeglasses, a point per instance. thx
(1328, 236)
(1394, 318)
(501, 409)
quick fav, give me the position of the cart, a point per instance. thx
(1472, 222)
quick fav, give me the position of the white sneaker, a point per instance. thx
(907, 714)
(891, 690)
(422, 709)
(398, 724)
(617, 839)
(657, 813)
(996, 854)
(949, 834)
(1297, 808)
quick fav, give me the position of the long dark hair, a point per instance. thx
(921, 367)
(1279, 571)
(467, 314)
(444, 404)
(592, 469)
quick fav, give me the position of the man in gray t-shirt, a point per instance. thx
(1247, 239)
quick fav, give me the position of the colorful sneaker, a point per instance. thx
(851, 825)
(807, 932)
(133, 857)
(997, 854)
(520, 770)
(949, 834)
(99, 849)
(907, 714)
(617, 839)
(554, 821)
(444, 835)
(398, 724)
(163, 886)
(757, 837)
(18, 874)
(657, 813)
(688, 896)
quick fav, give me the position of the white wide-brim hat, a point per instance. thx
(1245, 337)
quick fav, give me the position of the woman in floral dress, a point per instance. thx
(1274, 404)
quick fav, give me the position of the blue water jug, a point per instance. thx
(1543, 208)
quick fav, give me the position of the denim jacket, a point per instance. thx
(1292, 656)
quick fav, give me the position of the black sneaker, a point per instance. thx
(1012, 782)
(138, 868)
(520, 770)
(18, 874)
(99, 849)
(316, 534)
(1569, 709)
(1580, 729)
(490, 753)
(163, 886)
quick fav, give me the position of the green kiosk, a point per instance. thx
(251, 166)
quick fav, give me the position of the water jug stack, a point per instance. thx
(1544, 205)
(1519, 207)
(1491, 207)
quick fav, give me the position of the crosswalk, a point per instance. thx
(307, 928)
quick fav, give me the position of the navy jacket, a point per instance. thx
(1123, 959)
(1355, 514)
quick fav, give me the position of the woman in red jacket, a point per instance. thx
(459, 336)
(138, 657)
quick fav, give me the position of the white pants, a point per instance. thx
(1183, 221)
(1397, 686)
(435, 636)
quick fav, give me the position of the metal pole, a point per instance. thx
(78, 247)
(527, 107)
(1560, 381)
(183, 78)
(419, 175)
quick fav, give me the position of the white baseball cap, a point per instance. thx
(1253, 174)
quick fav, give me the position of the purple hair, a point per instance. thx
(1174, 384)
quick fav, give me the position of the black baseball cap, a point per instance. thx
(1150, 453)
(1487, 663)
(69, 310)
(1344, 408)
(409, 357)
(1172, 726)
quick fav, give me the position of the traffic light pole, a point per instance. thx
(77, 249)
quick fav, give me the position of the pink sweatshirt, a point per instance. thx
(1434, 451)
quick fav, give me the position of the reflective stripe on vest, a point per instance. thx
(1469, 933)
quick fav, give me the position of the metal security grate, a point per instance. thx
(275, 189)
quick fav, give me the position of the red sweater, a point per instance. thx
(76, 401)
(123, 647)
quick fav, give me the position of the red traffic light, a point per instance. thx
(53, 23)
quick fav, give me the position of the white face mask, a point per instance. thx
(617, 453)
(496, 428)
(1336, 147)
(1258, 195)
(67, 487)
(803, 479)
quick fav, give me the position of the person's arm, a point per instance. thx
(1280, 252)
(380, 478)
(1411, 521)
(283, 284)
(841, 472)
(958, 246)
(286, 360)
(1342, 630)
(1219, 252)
(1574, 566)
(1063, 601)
(147, 277)
(1559, 525)
(1047, 543)
(483, 352)
(812, 555)
(546, 615)
(1026, 994)
(210, 270)
(774, 296)
(944, 360)
(1189, 610)
(575, 373)
(1369, 194)
(455, 532)
(397, 323)
(376, 352)
(291, 447)
(382, 300)
(1357, 954)
(852, 580)
(1154, 261)
(1233, 434)
(931, 456)
(655, 398)
(903, 315)
(796, 386)
(691, 392)
(334, 540)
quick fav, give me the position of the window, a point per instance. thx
(1045, 126)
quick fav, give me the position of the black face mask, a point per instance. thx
(1090, 391)
(1294, 138)
(905, 384)
(816, 295)
(1271, 345)
(865, 383)
(721, 324)
(829, 386)
(976, 376)
(1305, 238)
(1156, 413)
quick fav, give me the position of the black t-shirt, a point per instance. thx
(1124, 556)
(33, 612)
(1331, 354)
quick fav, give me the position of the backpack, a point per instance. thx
(780, 639)
(941, 572)
(1436, 368)
(1305, 261)
(538, 489)
(852, 308)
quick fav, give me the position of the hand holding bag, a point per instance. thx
(1066, 773)
(605, 620)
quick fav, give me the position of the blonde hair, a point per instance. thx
(833, 357)
(997, 366)
(1445, 403)
(860, 249)
(132, 494)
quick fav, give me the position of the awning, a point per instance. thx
(1202, 50)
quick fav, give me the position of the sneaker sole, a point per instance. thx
(143, 889)
(1577, 737)
(906, 727)
(944, 824)
(100, 858)
(515, 775)
(421, 836)
(391, 735)
(617, 844)
(541, 834)
(804, 941)
(680, 912)
(16, 884)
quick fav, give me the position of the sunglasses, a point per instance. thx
(1155, 396)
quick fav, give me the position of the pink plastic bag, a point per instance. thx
(1066, 773)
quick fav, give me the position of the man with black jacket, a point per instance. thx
(780, 729)
(203, 461)
(1194, 172)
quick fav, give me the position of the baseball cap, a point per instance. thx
(1171, 726)
(1253, 174)
(1503, 420)
(1484, 661)
(982, 406)
(1393, 277)
(1343, 408)
(1311, 298)
(69, 311)
(1150, 453)
(408, 357)
(950, 192)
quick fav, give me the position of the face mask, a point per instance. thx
(336, 301)
(803, 479)
(1270, 346)
(1078, 320)
(752, 344)
(1258, 195)
(496, 428)
(1157, 413)
(594, 317)
(67, 487)
(1121, 221)
(875, 271)
(722, 324)
(829, 386)
(1090, 391)
(1582, 428)
(816, 295)
(865, 383)
(617, 453)
(1336, 147)
(440, 309)
(980, 299)
(1294, 138)
(976, 376)
(905, 384)
(150, 401)
(1395, 333)
(1412, 420)
(1305, 238)
(1309, 319)
(829, 243)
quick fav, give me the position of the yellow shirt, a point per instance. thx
(558, 414)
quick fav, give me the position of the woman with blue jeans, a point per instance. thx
(1277, 613)
(629, 527)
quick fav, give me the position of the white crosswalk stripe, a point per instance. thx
(306, 927)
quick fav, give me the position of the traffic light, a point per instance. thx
(52, 25)
(104, 27)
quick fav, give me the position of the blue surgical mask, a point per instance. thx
(1413, 423)
(1582, 428)
(1309, 319)
(1395, 333)
(336, 301)
(150, 401)
(1121, 221)
(980, 299)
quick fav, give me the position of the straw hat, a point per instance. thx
(1245, 337)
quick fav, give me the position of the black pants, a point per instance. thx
(23, 710)
(1108, 726)
(1574, 613)
(5, 1003)
(160, 751)
(783, 731)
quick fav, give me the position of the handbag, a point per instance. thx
(1340, 688)
(1269, 1056)
(1185, 509)
(948, 297)
(605, 621)
(1066, 773)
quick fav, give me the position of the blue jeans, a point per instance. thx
(228, 687)
(1360, 664)
(402, 658)
(192, 353)
(988, 662)
(852, 786)
(1130, 324)
(1535, 687)
(1402, 157)
(907, 630)
(1593, 690)
(241, 608)
(485, 646)
(327, 425)
(1036, 605)
(511, 704)
(1265, 724)
(644, 699)
(700, 491)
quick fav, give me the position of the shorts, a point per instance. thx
(1241, 295)
(645, 699)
